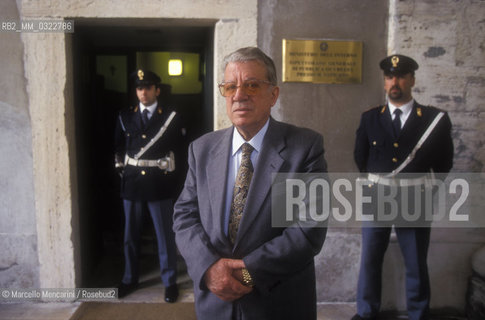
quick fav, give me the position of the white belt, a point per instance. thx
(398, 182)
(167, 163)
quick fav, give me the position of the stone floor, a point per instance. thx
(64, 311)
(151, 291)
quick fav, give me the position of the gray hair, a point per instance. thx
(253, 54)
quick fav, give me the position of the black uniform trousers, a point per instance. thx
(414, 243)
(161, 213)
(413, 235)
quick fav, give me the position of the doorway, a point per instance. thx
(105, 53)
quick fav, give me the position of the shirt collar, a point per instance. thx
(405, 108)
(256, 142)
(151, 108)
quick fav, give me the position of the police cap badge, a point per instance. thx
(398, 64)
(143, 78)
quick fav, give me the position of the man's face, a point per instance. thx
(147, 94)
(249, 112)
(398, 87)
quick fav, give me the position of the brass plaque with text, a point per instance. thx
(322, 61)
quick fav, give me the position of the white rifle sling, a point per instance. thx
(156, 137)
(423, 138)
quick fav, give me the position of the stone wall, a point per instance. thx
(333, 110)
(19, 264)
(446, 38)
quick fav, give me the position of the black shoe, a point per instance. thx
(357, 317)
(125, 289)
(171, 293)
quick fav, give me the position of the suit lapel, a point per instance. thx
(217, 178)
(157, 117)
(412, 122)
(139, 123)
(133, 120)
(386, 120)
(269, 162)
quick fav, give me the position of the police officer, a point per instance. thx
(386, 136)
(148, 142)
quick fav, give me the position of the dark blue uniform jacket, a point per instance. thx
(149, 183)
(378, 150)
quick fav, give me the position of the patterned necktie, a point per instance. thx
(241, 187)
(144, 117)
(396, 123)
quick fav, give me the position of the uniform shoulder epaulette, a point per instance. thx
(429, 109)
(376, 108)
(432, 109)
(419, 112)
(127, 111)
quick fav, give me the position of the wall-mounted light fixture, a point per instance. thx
(175, 67)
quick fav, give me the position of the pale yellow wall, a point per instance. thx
(187, 83)
(113, 69)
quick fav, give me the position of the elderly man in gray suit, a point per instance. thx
(242, 266)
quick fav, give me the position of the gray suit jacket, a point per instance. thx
(280, 260)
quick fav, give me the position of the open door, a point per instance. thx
(103, 58)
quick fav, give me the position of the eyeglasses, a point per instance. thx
(250, 87)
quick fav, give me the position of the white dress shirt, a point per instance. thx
(151, 109)
(405, 108)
